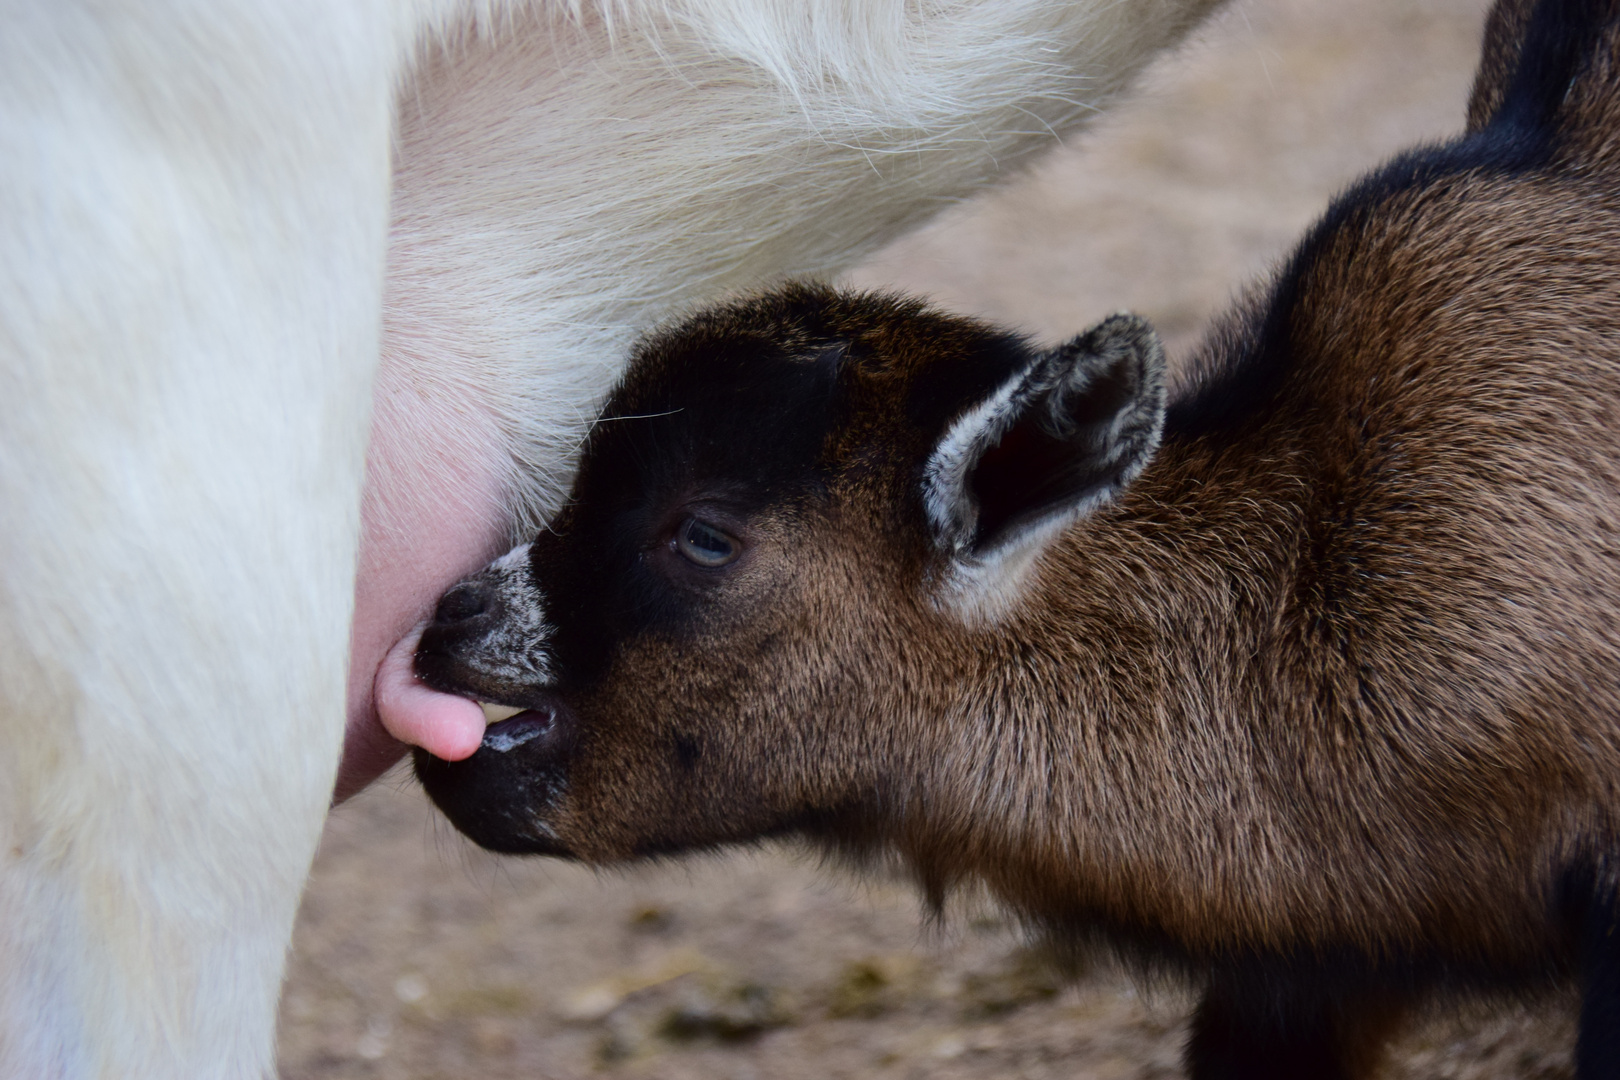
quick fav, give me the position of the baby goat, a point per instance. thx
(1301, 676)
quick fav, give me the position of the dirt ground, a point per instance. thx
(418, 956)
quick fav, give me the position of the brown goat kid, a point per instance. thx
(1302, 677)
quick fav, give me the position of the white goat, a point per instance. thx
(203, 304)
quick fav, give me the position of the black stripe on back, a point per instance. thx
(1520, 138)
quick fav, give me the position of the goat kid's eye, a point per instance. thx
(705, 546)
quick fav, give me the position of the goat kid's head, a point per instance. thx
(789, 511)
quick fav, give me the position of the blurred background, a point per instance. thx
(418, 956)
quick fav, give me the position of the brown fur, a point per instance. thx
(1321, 707)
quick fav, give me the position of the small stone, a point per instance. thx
(410, 988)
(592, 1004)
(724, 1010)
(373, 1044)
(868, 988)
(1022, 978)
(985, 1041)
(651, 917)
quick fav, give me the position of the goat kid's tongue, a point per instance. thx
(444, 725)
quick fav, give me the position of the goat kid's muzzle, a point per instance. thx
(505, 794)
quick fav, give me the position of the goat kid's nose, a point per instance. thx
(466, 601)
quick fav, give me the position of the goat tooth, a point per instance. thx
(494, 714)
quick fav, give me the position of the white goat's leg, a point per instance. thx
(194, 205)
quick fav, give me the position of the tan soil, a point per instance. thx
(418, 956)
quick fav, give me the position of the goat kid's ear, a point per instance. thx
(1049, 445)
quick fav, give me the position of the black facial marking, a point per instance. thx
(965, 378)
(719, 419)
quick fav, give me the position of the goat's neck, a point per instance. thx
(1109, 723)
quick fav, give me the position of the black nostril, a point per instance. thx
(466, 601)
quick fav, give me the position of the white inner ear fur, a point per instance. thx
(951, 511)
(981, 588)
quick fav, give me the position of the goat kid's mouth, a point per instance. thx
(506, 796)
(512, 716)
(510, 726)
(502, 694)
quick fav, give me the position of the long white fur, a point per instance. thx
(694, 147)
(198, 276)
